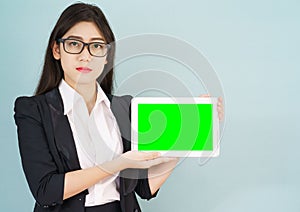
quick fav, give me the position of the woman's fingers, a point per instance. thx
(136, 155)
(135, 159)
(156, 161)
(150, 155)
(220, 106)
(205, 95)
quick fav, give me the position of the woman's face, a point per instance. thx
(82, 68)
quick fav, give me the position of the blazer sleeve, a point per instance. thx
(45, 183)
(142, 188)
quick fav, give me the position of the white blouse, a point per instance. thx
(97, 139)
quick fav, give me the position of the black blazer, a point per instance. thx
(48, 151)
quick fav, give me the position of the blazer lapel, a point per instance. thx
(62, 131)
(121, 110)
(65, 142)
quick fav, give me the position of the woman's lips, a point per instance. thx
(83, 69)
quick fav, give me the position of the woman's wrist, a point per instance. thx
(114, 166)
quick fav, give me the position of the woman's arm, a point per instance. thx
(79, 180)
(45, 182)
(159, 174)
(48, 186)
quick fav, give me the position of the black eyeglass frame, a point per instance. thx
(62, 40)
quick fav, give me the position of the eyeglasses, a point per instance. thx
(73, 46)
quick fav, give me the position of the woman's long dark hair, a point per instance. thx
(52, 71)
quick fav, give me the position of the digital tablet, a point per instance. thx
(175, 127)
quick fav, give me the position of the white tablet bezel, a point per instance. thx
(176, 100)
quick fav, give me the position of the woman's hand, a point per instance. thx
(142, 160)
(220, 106)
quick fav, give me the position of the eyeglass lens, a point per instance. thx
(95, 48)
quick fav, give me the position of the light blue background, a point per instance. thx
(254, 48)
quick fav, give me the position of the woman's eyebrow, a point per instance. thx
(80, 38)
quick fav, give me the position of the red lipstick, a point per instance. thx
(83, 69)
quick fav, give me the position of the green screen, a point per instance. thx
(175, 127)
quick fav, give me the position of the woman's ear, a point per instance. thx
(56, 51)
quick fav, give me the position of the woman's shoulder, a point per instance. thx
(30, 103)
(35, 99)
(25, 101)
(26, 106)
(123, 100)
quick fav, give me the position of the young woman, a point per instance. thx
(73, 150)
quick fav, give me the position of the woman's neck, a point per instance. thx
(88, 92)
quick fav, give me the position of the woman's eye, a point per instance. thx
(98, 45)
(74, 43)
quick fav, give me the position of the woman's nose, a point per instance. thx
(85, 54)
